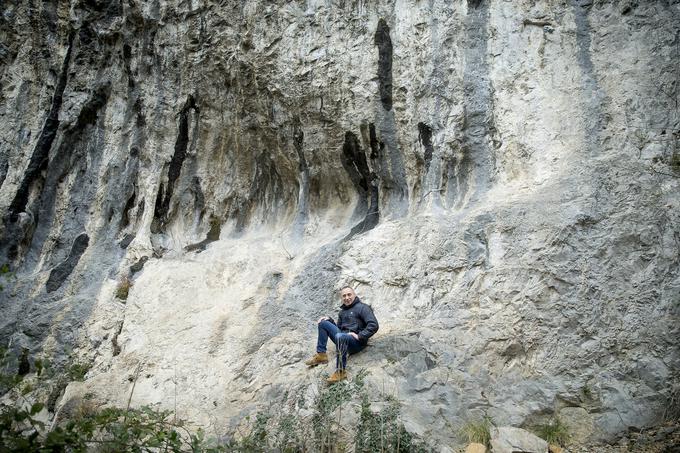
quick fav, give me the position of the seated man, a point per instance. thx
(356, 324)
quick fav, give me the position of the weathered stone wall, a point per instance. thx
(499, 179)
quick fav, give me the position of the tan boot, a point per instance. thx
(338, 376)
(319, 358)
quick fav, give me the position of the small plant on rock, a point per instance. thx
(77, 371)
(478, 431)
(554, 432)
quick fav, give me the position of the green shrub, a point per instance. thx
(383, 431)
(325, 404)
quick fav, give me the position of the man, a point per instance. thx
(356, 324)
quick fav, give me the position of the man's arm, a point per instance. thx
(371, 323)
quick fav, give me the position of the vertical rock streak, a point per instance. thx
(60, 273)
(40, 156)
(469, 174)
(65, 177)
(355, 163)
(77, 157)
(164, 197)
(425, 139)
(384, 42)
(303, 168)
(392, 173)
(592, 94)
(429, 184)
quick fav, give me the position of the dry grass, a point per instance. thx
(478, 431)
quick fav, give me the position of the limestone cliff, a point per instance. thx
(498, 179)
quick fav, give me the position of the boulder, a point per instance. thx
(507, 439)
(475, 448)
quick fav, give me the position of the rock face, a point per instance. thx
(499, 179)
(514, 440)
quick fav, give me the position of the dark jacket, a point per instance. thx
(358, 318)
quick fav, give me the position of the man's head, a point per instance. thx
(347, 295)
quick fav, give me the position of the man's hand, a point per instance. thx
(355, 336)
(323, 318)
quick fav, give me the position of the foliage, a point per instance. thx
(383, 431)
(256, 440)
(109, 429)
(554, 432)
(77, 371)
(325, 405)
(287, 435)
(478, 431)
(113, 429)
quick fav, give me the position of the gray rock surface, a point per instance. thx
(499, 179)
(506, 439)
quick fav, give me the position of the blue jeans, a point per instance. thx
(344, 342)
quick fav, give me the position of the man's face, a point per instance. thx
(347, 295)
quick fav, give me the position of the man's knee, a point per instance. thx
(325, 324)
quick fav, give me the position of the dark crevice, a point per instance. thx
(90, 111)
(140, 120)
(4, 167)
(164, 196)
(158, 207)
(425, 139)
(126, 241)
(384, 42)
(24, 364)
(114, 341)
(199, 197)
(125, 218)
(376, 147)
(267, 191)
(60, 273)
(127, 55)
(372, 216)
(40, 156)
(138, 266)
(303, 168)
(212, 236)
(354, 162)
